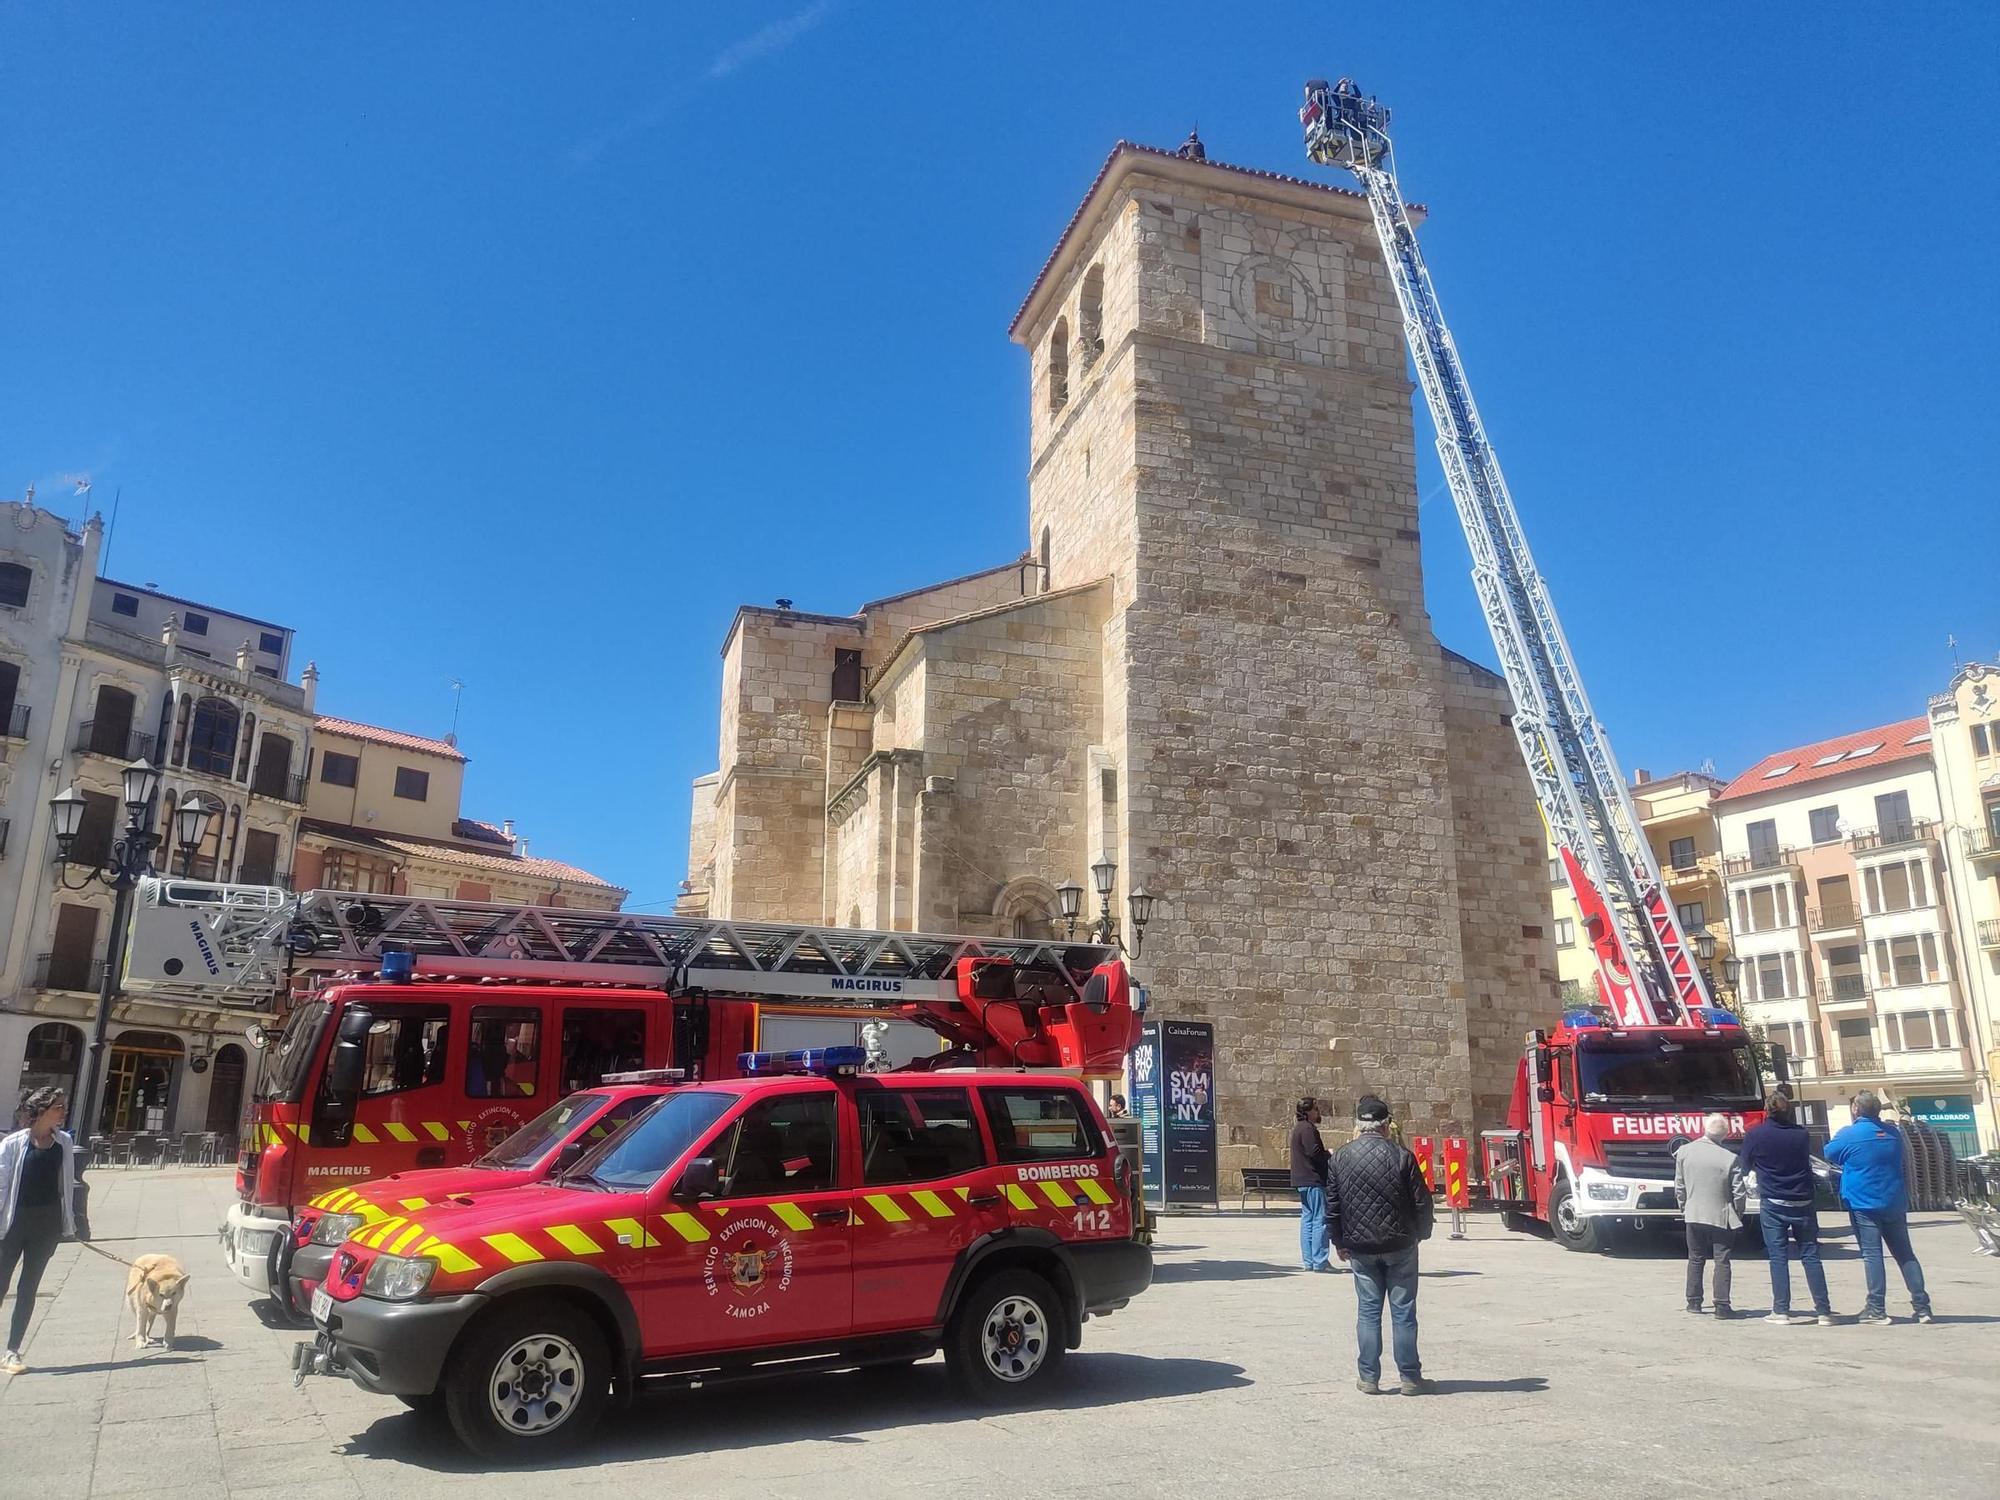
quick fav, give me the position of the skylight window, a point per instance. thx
(1919, 739)
(1776, 771)
(1827, 760)
(1864, 750)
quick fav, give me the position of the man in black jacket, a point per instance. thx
(1309, 1157)
(1377, 1212)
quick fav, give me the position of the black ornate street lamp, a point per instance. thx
(1069, 901)
(131, 856)
(1104, 880)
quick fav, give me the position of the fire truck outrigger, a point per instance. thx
(1600, 1102)
(427, 1030)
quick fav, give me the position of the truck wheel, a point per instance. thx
(1573, 1231)
(1006, 1333)
(530, 1379)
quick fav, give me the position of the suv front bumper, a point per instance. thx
(398, 1348)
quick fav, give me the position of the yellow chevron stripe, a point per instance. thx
(636, 1232)
(574, 1240)
(1092, 1189)
(363, 1134)
(448, 1257)
(963, 1193)
(1015, 1197)
(328, 1199)
(687, 1226)
(406, 1239)
(465, 1124)
(378, 1234)
(370, 1214)
(1057, 1194)
(887, 1207)
(437, 1130)
(413, 1203)
(303, 1132)
(514, 1247)
(931, 1203)
(793, 1216)
(399, 1131)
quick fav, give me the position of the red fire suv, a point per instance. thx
(806, 1215)
(553, 1140)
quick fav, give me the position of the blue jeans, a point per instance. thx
(1873, 1228)
(1312, 1228)
(1395, 1275)
(1797, 1224)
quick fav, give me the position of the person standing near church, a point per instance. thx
(1706, 1189)
(1309, 1156)
(1870, 1157)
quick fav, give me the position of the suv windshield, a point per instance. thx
(634, 1158)
(534, 1140)
(1666, 1073)
(286, 1062)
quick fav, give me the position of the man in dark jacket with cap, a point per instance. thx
(1309, 1182)
(1377, 1212)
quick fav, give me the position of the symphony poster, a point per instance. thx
(1187, 1057)
(1146, 1078)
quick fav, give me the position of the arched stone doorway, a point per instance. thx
(1025, 908)
(225, 1090)
(52, 1056)
(141, 1083)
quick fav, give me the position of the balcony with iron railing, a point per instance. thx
(113, 741)
(60, 971)
(281, 788)
(1831, 918)
(1757, 861)
(1981, 843)
(1892, 835)
(1699, 871)
(5, 824)
(1989, 931)
(1843, 989)
(14, 722)
(1856, 1059)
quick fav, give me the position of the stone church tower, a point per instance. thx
(1214, 662)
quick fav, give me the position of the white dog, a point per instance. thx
(154, 1291)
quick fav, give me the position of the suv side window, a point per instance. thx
(779, 1147)
(917, 1135)
(613, 1119)
(1032, 1125)
(405, 1048)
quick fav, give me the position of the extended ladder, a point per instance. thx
(1644, 964)
(223, 944)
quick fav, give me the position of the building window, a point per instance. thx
(95, 833)
(336, 769)
(413, 786)
(1556, 876)
(125, 604)
(1763, 839)
(1693, 915)
(211, 744)
(1090, 316)
(1763, 909)
(1895, 888)
(10, 687)
(260, 858)
(194, 623)
(1771, 977)
(1565, 932)
(1825, 825)
(349, 870)
(846, 675)
(270, 643)
(1059, 366)
(15, 581)
(1680, 854)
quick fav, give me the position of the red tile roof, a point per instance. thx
(1131, 148)
(521, 867)
(376, 735)
(1834, 757)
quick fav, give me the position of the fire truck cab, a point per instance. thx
(1598, 1111)
(806, 1215)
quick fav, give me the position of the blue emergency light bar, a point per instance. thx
(823, 1062)
(398, 966)
(1712, 1015)
(1581, 1020)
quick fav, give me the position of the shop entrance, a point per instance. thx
(139, 1085)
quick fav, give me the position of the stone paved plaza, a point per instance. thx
(1559, 1375)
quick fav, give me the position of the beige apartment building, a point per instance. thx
(1213, 663)
(382, 814)
(1965, 749)
(1840, 910)
(1677, 814)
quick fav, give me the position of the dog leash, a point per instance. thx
(106, 1254)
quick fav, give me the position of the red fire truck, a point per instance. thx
(473, 1014)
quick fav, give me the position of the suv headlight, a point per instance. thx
(398, 1278)
(335, 1229)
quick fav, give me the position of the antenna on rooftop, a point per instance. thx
(110, 531)
(457, 694)
(1952, 641)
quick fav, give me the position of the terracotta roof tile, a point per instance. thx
(521, 867)
(376, 735)
(1834, 757)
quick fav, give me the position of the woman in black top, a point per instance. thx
(35, 1175)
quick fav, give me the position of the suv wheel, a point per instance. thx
(1006, 1333)
(530, 1379)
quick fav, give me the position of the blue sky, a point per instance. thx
(519, 344)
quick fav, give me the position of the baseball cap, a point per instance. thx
(1370, 1110)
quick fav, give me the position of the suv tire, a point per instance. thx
(529, 1379)
(1572, 1230)
(1005, 1334)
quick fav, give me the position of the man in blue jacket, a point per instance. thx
(1780, 1153)
(1870, 1157)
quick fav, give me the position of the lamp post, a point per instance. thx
(1104, 879)
(130, 857)
(1069, 901)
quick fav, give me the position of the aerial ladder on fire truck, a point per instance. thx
(1027, 1002)
(1646, 974)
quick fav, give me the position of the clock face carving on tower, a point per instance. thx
(1274, 297)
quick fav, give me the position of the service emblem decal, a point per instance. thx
(749, 1263)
